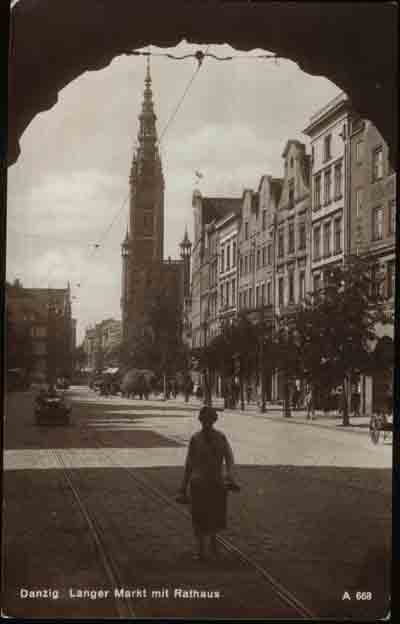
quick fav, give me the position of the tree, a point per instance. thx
(79, 357)
(244, 344)
(337, 329)
(159, 347)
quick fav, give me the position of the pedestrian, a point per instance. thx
(207, 452)
(248, 393)
(295, 397)
(309, 405)
(356, 399)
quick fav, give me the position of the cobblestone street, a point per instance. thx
(314, 512)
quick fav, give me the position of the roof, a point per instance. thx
(291, 142)
(334, 105)
(218, 207)
(276, 187)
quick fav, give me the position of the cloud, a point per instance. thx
(72, 177)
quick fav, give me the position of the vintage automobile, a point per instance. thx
(51, 409)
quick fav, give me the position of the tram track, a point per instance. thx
(285, 595)
(123, 608)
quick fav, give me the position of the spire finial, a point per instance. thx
(148, 77)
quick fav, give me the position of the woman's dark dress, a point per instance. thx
(205, 474)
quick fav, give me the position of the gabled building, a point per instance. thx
(293, 229)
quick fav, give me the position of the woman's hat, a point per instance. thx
(208, 414)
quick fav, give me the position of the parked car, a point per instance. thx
(51, 408)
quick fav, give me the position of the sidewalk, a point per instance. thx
(330, 420)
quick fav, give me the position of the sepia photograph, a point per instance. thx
(199, 310)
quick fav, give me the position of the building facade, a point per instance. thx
(293, 230)
(40, 321)
(328, 131)
(101, 344)
(372, 232)
(213, 264)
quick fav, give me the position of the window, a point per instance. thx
(359, 201)
(317, 191)
(264, 256)
(241, 265)
(338, 235)
(246, 265)
(233, 292)
(257, 296)
(269, 250)
(263, 294)
(317, 284)
(302, 285)
(327, 147)
(240, 300)
(245, 299)
(291, 162)
(280, 243)
(264, 219)
(390, 279)
(327, 186)
(234, 254)
(377, 164)
(312, 155)
(280, 291)
(377, 282)
(250, 297)
(246, 230)
(269, 293)
(377, 223)
(222, 260)
(359, 151)
(148, 222)
(291, 286)
(291, 237)
(392, 217)
(327, 239)
(228, 257)
(221, 292)
(302, 235)
(227, 293)
(39, 332)
(317, 243)
(338, 180)
(258, 258)
(291, 194)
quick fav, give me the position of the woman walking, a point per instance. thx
(204, 473)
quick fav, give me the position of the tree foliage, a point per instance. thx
(336, 328)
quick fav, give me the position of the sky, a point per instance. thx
(68, 192)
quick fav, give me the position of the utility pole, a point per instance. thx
(52, 315)
(262, 355)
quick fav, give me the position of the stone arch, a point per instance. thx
(353, 44)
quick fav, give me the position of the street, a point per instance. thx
(312, 520)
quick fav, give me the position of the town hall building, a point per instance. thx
(146, 275)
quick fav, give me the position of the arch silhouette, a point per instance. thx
(353, 44)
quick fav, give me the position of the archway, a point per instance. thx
(352, 44)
